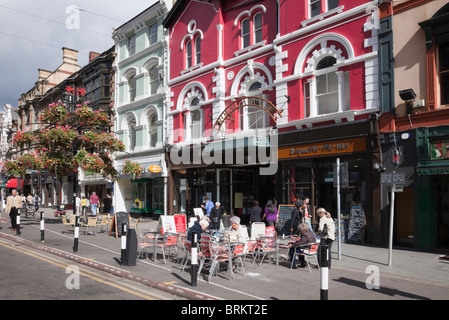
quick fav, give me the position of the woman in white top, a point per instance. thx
(326, 222)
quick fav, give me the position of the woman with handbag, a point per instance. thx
(215, 216)
(326, 229)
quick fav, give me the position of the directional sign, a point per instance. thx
(397, 178)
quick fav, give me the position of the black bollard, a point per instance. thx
(194, 260)
(42, 226)
(77, 233)
(18, 222)
(123, 245)
(324, 271)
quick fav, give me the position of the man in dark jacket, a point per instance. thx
(256, 213)
(296, 217)
(199, 227)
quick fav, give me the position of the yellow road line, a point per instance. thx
(87, 274)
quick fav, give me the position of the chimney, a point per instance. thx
(93, 55)
(69, 56)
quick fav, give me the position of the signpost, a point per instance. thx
(397, 181)
(341, 180)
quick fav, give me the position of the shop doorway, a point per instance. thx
(441, 201)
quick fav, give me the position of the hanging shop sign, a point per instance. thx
(323, 148)
(154, 168)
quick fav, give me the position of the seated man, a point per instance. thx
(199, 227)
(306, 236)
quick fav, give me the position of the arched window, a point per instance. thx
(188, 54)
(245, 33)
(252, 117)
(132, 134)
(152, 131)
(154, 81)
(328, 92)
(132, 88)
(258, 27)
(197, 50)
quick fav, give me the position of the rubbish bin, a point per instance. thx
(131, 248)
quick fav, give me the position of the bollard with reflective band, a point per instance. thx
(324, 270)
(77, 233)
(18, 223)
(194, 260)
(42, 227)
(123, 237)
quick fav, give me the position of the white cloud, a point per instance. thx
(43, 23)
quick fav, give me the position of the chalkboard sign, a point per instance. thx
(357, 224)
(118, 220)
(285, 212)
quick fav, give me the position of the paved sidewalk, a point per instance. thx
(413, 274)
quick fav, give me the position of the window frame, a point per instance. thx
(152, 34)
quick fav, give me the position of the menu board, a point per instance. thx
(118, 220)
(357, 223)
(167, 224)
(180, 222)
(285, 218)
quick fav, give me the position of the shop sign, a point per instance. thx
(324, 148)
(439, 150)
(154, 168)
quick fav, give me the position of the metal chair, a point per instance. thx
(308, 250)
(143, 245)
(167, 242)
(67, 225)
(91, 224)
(267, 246)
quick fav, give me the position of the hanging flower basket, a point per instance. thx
(132, 168)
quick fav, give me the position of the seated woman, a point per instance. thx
(306, 236)
(237, 233)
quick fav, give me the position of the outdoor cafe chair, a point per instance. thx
(267, 246)
(104, 223)
(308, 250)
(165, 242)
(67, 225)
(188, 254)
(91, 225)
(143, 246)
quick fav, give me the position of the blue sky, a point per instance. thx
(33, 32)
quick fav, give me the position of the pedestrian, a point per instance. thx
(296, 217)
(326, 229)
(107, 205)
(94, 203)
(307, 214)
(207, 206)
(83, 205)
(306, 237)
(256, 213)
(29, 200)
(215, 216)
(13, 204)
(270, 213)
(37, 201)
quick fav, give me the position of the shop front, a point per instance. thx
(433, 186)
(307, 169)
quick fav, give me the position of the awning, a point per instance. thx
(432, 170)
(12, 183)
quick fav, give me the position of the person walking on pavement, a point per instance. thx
(256, 213)
(107, 205)
(13, 204)
(271, 214)
(296, 217)
(94, 203)
(215, 216)
(83, 206)
(208, 206)
(326, 229)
